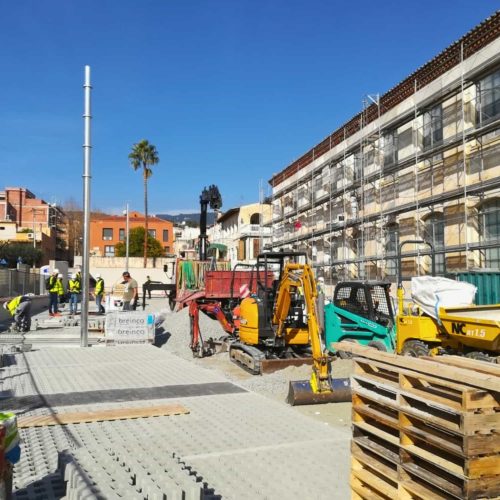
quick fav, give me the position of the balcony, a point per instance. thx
(254, 230)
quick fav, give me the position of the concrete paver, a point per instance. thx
(238, 445)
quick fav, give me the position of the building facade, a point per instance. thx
(24, 218)
(186, 240)
(108, 230)
(243, 232)
(419, 162)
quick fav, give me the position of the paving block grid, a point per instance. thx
(233, 446)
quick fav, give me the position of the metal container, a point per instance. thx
(487, 284)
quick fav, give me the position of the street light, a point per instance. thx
(125, 212)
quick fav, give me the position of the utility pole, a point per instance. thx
(86, 211)
(127, 240)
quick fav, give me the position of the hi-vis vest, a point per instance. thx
(56, 286)
(99, 287)
(74, 285)
(12, 305)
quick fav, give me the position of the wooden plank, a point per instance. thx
(380, 485)
(373, 396)
(377, 414)
(471, 468)
(470, 377)
(364, 491)
(374, 385)
(458, 486)
(376, 431)
(369, 451)
(101, 415)
(453, 442)
(470, 364)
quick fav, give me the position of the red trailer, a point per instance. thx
(217, 293)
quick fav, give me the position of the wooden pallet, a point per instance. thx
(434, 422)
(101, 415)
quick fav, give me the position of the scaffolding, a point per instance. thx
(426, 173)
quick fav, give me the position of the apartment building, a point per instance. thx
(421, 161)
(108, 230)
(241, 233)
(24, 218)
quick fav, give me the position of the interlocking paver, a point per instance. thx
(231, 445)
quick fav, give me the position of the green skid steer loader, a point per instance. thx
(361, 312)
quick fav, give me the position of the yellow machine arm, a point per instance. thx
(296, 277)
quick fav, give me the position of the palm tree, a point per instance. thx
(144, 155)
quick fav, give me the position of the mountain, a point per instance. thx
(191, 219)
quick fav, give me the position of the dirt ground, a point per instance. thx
(273, 385)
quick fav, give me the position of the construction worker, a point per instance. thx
(61, 292)
(320, 285)
(99, 294)
(74, 285)
(54, 286)
(20, 308)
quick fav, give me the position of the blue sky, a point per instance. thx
(230, 92)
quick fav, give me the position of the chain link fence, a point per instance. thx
(14, 282)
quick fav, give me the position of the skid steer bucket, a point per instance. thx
(301, 393)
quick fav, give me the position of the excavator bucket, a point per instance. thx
(301, 393)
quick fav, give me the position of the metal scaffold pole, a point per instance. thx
(86, 211)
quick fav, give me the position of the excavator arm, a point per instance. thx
(320, 388)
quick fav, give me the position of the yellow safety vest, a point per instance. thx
(12, 305)
(99, 287)
(56, 286)
(74, 286)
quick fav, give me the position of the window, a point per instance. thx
(165, 235)
(152, 233)
(107, 234)
(109, 251)
(489, 220)
(121, 235)
(434, 233)
(390, 148)
(255, 219)
(433, 127)
(391, 248)
(489, 97)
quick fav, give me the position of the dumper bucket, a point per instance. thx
(300, 393)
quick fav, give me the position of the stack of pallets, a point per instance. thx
(424, 428)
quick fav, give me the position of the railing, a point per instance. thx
(255, 230)
(14, 282)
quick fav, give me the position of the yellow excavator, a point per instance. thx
(282, 317)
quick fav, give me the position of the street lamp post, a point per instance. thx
(126, 239)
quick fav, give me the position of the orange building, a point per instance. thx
(108, 230)
(24, 218)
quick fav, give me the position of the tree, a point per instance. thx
(136, 245)
(144, 155)
(11, 251)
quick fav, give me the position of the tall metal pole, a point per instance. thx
(127, 241)
(86, 211)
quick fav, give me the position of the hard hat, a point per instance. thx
(98, 275)
(321, 278)
(5, 305)
(59, 275)
(55, 271)
(73, 276)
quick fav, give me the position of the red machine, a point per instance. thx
(219, 299)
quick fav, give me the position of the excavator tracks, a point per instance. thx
(254, 361)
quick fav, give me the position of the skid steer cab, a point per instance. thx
(361, 312)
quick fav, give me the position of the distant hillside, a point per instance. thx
(191, 219)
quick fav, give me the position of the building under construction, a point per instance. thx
(421, 161)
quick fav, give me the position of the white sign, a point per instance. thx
(130, 327)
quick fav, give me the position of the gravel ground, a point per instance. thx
(274, 385)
